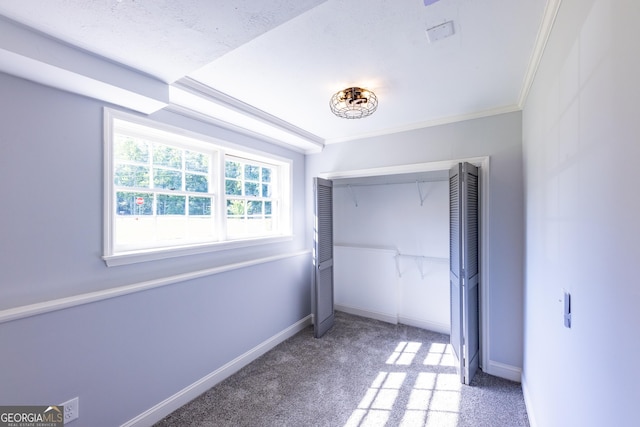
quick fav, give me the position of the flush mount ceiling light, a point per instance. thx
(353, 103)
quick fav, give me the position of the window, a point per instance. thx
(162, 193)
(251, 199)
(170, 193)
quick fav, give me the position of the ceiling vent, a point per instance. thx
(440, 32)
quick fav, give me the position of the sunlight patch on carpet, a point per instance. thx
(434, 397)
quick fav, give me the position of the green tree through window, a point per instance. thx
(249, 192)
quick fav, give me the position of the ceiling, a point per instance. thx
(279, 61)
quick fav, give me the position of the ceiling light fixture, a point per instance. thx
(353, 103)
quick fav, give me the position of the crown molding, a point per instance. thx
(429, 123)
(548, 20)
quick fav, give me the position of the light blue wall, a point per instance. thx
(51, 161)
(581, 149)
(499, 137)
(123, 355)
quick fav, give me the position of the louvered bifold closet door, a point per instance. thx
(322, 295)
(455, 266)
(471, 246)
(463, 274)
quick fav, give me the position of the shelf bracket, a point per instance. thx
(420, 266)
(422, 198)
(353, 195)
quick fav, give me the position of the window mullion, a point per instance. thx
(221, 202)
(184, 184)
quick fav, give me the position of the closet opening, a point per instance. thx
(391, 244)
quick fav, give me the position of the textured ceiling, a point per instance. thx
(164, 38)
(287, 57)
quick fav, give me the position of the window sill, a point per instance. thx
(133, 257)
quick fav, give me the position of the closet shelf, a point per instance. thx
(350, 187)
(420, 260)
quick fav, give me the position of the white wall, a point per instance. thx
(365, 282)
(122, 355)
(499, 137)
(581, 149)
(392, 216)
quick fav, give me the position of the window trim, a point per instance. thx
(162, 131)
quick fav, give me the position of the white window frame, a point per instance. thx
(115, 121)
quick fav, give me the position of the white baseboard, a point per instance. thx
(385, 317)
(184, 396)
(527, 402)
(502, 370)
(430, 326)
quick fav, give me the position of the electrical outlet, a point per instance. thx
(71, 410)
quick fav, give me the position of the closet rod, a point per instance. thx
(423, 257)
